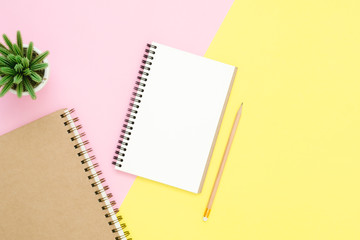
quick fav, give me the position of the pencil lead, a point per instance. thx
(240, 109)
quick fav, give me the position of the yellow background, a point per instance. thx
(294, 167)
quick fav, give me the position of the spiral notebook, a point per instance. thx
(174, 117)
(51, 186)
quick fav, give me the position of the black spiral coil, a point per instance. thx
(134, 105)
(93, 175)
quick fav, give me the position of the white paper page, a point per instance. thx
(177, 119)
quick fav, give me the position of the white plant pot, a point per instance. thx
(45, 78)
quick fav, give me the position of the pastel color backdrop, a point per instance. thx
(96, 48)
(293, 169)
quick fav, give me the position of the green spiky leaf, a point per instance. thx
(39, 58)
(25, 62)
(19, 41)
(29, 51)
(5, 61)
(5, 79)
(4, 51)
(27, 72)
(19, 90)
(18, 59)
(35, 77)
(18, 78)
(39, 66)
(12, 58)
(29, 88)
(6, 88)
(2, 45)
(18, 67)
(8, 71)
(17, 50)
(8, 42)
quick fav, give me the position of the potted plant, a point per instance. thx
(24, 69)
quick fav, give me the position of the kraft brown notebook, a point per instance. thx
(51, 188)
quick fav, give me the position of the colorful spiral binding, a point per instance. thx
(90, 167)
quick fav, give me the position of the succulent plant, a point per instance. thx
(20, 68)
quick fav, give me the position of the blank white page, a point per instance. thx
(177, 118)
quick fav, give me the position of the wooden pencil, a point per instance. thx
(222, 166)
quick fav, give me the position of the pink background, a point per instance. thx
(95, 52)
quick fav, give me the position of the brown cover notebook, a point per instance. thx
(50, 185)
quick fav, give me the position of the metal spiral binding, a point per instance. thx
(101, 190)
(134, 105)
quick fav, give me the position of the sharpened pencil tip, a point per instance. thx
(205, 219)
(240, 109)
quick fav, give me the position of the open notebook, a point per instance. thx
(174, 116)
(51, 187)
